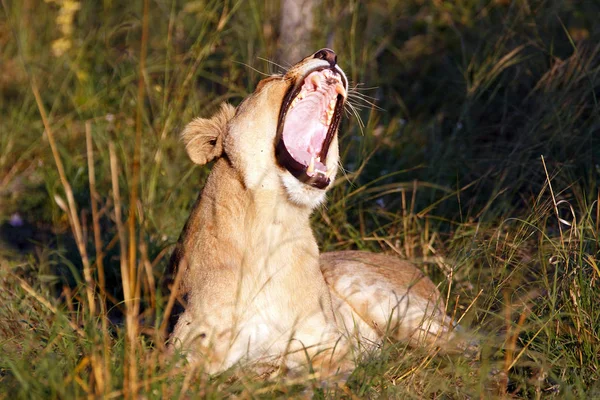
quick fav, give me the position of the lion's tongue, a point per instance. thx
(303, 131)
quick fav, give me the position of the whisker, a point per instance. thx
(357, 86)
(282, 68)
(354, 111)
(252, 68)
(358, 107)
(344, 172)
(362, 104)
(357, 94)
(360, 100)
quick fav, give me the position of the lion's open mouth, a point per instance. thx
(309, 118)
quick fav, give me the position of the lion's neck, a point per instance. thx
(253, 253)
(260, 230)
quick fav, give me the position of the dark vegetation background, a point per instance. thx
(476, 154)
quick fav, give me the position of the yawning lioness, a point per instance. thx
(255, 287)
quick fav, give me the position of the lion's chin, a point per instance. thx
(301, 194)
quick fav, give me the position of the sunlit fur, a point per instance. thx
(256, 288)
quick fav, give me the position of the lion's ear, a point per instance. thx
(203, 137)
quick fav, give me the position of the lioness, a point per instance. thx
(256, 288)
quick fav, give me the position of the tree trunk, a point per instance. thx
(296, 28)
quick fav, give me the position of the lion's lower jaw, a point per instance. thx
(302, 194)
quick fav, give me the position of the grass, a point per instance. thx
(480, 162)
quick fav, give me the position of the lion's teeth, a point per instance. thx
(316, 79)
(311, 166)
(332, 104)
(340, 89)
(330, 174)
(329, 116)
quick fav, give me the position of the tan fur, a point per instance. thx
(203, 138)
(388, 296)
(256, 288)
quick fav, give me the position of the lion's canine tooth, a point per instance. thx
(315, 79)
(311, 165)
(340, 89)
(329, 116)
(330, 173)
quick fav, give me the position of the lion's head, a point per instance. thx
(282, 136)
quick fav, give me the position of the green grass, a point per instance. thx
(481, 163)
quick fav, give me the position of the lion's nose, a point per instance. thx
(327, 55)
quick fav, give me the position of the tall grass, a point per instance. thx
(478, 160)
